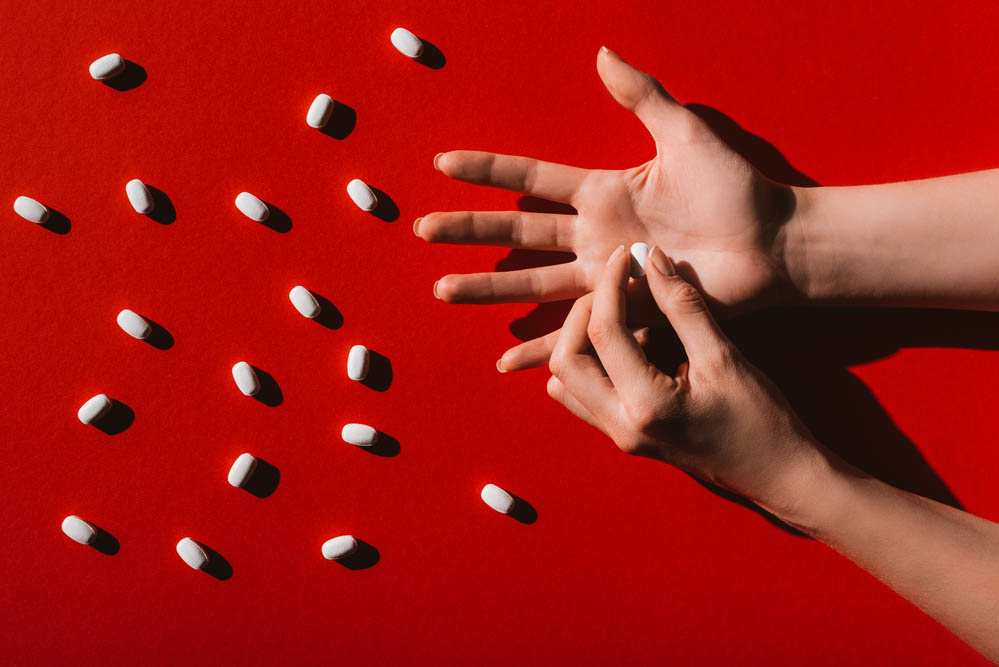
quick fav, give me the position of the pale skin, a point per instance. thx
(746, 243)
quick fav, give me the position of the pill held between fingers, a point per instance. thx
(357, 363)
(407, 43)
(246, 378)
(79, 530)
(107, 66)
(134, 325)
(361, 435)
(94, 409)
(138, 196)
(304, 301)
(497, 498)
(339, 547)
(639, 254)
(31, 210)
(362, 195)
(319, 111)
(191, 553)
(252, 207)
(242, 469)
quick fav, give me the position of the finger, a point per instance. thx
(548, 180)
(665, 119)
(536, 352)
(621, 355)
(579, 371)
(558, 391)
(544, 283)
(685, 309)
(512, 229)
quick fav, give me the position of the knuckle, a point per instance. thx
(630, 444)
(598, 332)
(686, 297)
(554, 387)
(557, 365)
(642, 414)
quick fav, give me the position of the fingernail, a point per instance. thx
(614, 254)
(436, 160)
(605, 49)
(416, 226)
(661, 262)
(609, 52)
(435, 289)
(499, 367)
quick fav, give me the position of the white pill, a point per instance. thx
(319, 112)
(138, 196)
(407, 43)
(252, 207)
(30, 210)
(304, 301)
(246, 378)
(339, 547)
(191, 553)
(242, 469)
(361, 435)
(362, 195)
(639, 254)
(497, 498)
(94, 409)
(357, 363)
(134, 324)
(79, 530)
(107, 66)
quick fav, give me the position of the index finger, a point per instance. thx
(548, 180)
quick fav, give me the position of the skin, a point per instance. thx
(739, 241)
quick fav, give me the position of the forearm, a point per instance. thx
(943, 560)
(932, 243)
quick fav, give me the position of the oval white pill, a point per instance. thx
(497, 498)
(357, 363)
(79, 530)
(134, 324)
(246, 378)
(639, 254)
(30, 210)
(94, 409)
(361, 435)
(339, 547)
(107, 66)
(242, 469)
(319, 111)
(251, 206)
(191, 553)
(362, 195)
(304, 301)
(407, 43)
(138, 196)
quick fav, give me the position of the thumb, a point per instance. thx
(664, 117)
(685, 309)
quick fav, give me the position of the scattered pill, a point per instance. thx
(357, 363)
(94, 409)
(138, 196)
(362, 195)
(639, 253)
(304, 301)
(361, 435)
(319, 112)
(107, 66)
(339, 547)
(252, 207)
(191, 553)
(407, 43)
(246, 378)
(134, 324)
(30, 210)
(79, 530)
(242, 469)
(497, 498)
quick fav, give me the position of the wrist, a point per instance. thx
(799, 255)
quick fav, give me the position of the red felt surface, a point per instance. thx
(629, 561)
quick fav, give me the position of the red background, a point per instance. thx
(629, 561)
